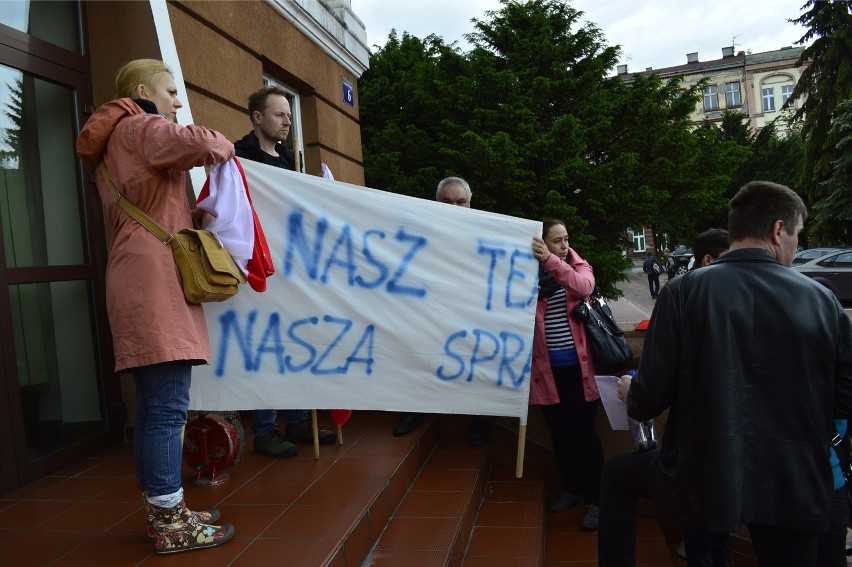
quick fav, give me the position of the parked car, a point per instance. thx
(805, 256)
(678, 262)
(833, 270)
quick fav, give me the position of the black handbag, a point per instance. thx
(608, 347)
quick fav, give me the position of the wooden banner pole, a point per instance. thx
(522, 443)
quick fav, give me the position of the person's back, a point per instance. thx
(726, 424)
(652, 267)
(754, 363)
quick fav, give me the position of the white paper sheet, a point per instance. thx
(616, 410)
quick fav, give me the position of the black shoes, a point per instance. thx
(274, 444)
(407, 423)
(592, 518)
(564, 501)
(300, 432)
(478, 433)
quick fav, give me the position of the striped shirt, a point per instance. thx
(556, 326)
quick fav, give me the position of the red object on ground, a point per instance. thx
(211, 444)
(643, 325)
(340, 416)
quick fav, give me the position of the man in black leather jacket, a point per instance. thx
(754, 361)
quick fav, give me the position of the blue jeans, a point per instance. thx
(162, 399)
(263, 420)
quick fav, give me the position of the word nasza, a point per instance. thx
(331, 358)
(315, 346)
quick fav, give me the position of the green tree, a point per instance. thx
(838, 197)
(825, 83)
(11, 154)
(401, 102)
(532, 119)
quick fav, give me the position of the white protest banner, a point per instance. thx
(379, 301)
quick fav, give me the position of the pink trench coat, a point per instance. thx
(577, 278)
(146, 156)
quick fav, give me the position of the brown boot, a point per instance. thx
(201, 516)
(176, 531)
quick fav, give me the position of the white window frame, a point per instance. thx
(296, 138)
(732, 94)
(768, 96)
(639, 240)
(786, 93)
(711, 96)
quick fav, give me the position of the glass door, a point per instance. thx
(58, 397)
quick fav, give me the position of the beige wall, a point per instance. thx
(225, 48)
(720, 79)
(118, 32)
(776, 75)
(222, 69)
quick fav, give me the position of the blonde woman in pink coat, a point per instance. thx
(157, 335)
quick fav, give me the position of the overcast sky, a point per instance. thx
(652, 33)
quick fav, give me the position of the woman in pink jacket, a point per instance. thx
(157, 335)
(563, 379)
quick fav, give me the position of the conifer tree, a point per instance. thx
(824, 84)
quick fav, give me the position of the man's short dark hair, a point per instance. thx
(756, 207)
(257, 99)
(714, 242)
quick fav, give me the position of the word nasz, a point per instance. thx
(368, 273)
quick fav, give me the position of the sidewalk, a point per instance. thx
(636, 304)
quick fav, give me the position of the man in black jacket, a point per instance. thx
(652, 267)
(754, 362)
(269, 111)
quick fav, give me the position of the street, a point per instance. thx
(636, 305)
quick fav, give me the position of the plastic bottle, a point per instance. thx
(643, 432)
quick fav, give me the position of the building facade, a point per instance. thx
(59, 397)
(769, 79)
(755, 84)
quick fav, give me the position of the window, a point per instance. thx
(294, 141)
(639, 240)
(768, 99)
(839, 261)
(60, 399)
(53, 22)
(786, 93)
(711, 98)
(732, 94)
